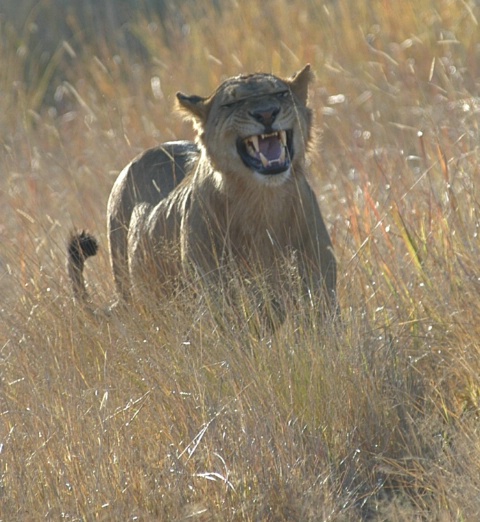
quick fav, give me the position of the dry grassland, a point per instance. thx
(180, 414)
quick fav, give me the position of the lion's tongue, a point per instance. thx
(270, 147)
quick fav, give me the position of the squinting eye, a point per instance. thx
(283, 94)
(229, 105)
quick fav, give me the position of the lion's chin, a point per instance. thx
(267, 154)
(272, 180)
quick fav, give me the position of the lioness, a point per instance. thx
(237, 196)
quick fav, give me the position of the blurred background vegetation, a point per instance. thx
(49, 34)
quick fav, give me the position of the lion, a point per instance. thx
(237, 196)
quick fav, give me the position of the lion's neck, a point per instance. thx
(247, 209)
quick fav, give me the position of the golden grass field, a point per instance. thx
(179, 415)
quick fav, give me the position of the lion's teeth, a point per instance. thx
(264, 160)
(253, 148)
(263, 136)
(254, 141)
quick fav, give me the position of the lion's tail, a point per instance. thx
(81, 246)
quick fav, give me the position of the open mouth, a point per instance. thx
(267, 153)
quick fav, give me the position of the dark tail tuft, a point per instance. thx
(81, 246)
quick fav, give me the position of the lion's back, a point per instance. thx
(146, 181)
(151, 176)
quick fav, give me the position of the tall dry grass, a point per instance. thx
(179, 416)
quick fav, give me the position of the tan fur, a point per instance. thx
(186, 210)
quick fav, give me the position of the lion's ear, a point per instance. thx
(299, 83)
(195, 107)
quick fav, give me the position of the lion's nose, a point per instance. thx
(265, 116)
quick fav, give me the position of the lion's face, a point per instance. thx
(255, 126)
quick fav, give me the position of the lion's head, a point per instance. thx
(256, 125)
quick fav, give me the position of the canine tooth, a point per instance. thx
(282, 156)
(283, 137)
(264, 160)
(254, 141)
